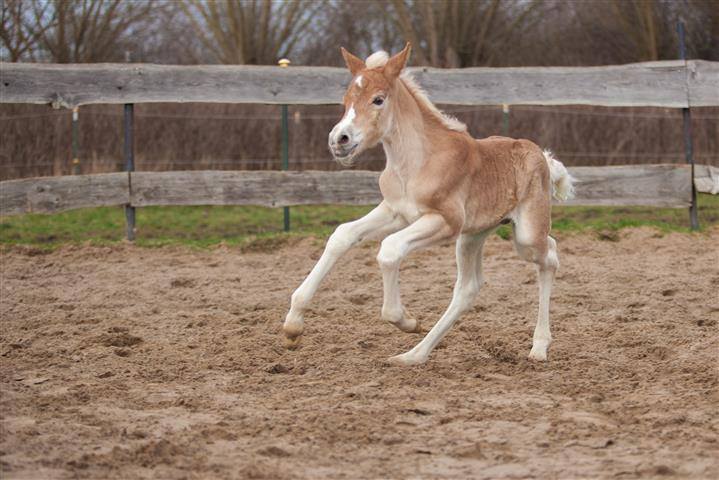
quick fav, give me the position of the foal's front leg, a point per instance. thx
(469, 281)
(428, 230)
(377, 224)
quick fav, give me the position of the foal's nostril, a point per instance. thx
(344, 139)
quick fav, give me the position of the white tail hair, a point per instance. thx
(562, 181)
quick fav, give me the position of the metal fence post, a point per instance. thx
(505, 119)
(129, 145)
(688, 144)
(285, 148)
(75, 141)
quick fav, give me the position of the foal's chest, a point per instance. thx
(405, 208)
(398, 198)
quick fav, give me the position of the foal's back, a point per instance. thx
(501, 174)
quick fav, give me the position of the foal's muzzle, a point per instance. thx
(343, 144)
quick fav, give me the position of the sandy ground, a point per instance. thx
(128, 362)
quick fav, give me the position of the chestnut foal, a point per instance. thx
(439, 184)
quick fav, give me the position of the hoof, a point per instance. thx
(409, 325)
(539, 352)
(404, 322)
(293, 333)
(406, 360)
(293, 326)
(292, 343)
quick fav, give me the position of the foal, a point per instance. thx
(439, 184)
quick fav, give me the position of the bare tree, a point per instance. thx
(19, 32)
(89, 30)
(642, 22)
(702, 20)
(460, 33)
(167, 36)
(644, 30)
(360, 30)
(250, 31)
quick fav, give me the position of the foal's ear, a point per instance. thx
(397, 63)
(354, 64)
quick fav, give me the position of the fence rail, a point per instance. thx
(650, 185)
(674, 83)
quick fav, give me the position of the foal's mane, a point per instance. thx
(379, 59)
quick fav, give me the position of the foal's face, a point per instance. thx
(368, 107)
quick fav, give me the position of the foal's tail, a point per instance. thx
(562, 181)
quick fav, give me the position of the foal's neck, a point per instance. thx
(404, 144)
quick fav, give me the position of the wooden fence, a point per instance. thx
(649, 185)
(674, 84)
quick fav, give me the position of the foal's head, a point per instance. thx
(368, 102)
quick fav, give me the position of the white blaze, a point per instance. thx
(358, 81)
(347, 119)
(343, 125)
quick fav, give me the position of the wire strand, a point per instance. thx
(671, 114)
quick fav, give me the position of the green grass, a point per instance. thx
(615, 218)
(260, 227)
(157, 226)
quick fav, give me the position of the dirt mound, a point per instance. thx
(124, 362)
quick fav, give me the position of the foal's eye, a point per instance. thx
(378, 101)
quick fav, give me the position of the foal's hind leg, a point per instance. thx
(533, 244)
